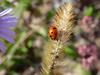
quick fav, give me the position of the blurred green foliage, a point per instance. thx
(71, 52)
(89, 11)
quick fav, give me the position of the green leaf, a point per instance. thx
(89, 11)
(50, 15)
(70, 51)
(30, 43)
(23, 49)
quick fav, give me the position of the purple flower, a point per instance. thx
(88, 24)
(7, 22)
(89, 55)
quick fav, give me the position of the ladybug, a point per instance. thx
(53, 32)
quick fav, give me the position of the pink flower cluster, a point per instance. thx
(88, 24)
(89, 55)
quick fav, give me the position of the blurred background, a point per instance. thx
(34, 17)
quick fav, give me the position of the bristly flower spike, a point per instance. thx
(63, 23)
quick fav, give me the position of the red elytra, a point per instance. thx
(53, 32)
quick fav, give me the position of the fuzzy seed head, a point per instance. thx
(64, 20)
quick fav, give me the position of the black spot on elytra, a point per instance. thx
(51, 32)
(50, 36)
(54, 28)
